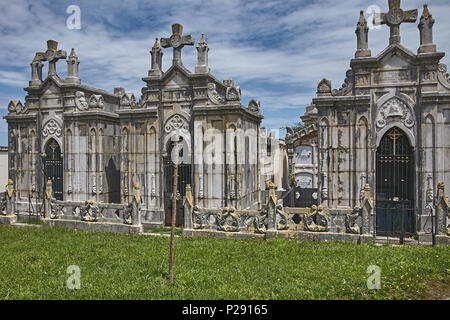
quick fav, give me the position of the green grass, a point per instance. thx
(33, 263)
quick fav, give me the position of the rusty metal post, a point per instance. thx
(174, 205)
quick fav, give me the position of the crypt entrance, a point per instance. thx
(184, 178)
(53, 167)
(395, 185)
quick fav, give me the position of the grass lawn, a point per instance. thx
(33, 264)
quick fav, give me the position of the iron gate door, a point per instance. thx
(395, 185)
(184, 178)
(53, 168)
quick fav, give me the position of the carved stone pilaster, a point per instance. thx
(10, 198)
(271, 208)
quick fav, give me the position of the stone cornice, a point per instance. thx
(342, 101)
(138, 113)
(21, 117)
(93, 115)
(226, 109)
(435, 97)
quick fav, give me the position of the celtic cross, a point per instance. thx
(394, 18)
(177, 41)
(52, 55)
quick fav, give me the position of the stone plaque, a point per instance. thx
(304, 180)
(304, 154)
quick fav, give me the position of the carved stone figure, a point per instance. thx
(350, 221)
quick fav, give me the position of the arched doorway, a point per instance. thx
(53, 167)
(184, 178)
(395, 185)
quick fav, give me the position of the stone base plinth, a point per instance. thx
(8, 220)
(442, 240)
(93, 226)
(221, 234)
(290, 235)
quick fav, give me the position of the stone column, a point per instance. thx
(36, 72)
(157, 54)
(362, 35)
(426, 32)
(202, 56)
(72, 68)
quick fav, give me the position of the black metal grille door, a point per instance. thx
(395, 185)
(53, 168)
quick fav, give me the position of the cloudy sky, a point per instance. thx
(276, 51)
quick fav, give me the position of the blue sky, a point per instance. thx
(276, 51)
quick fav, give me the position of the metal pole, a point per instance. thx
(174, 206)
(402, 229)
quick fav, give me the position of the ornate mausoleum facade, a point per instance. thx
(99, 147)
(386, 131)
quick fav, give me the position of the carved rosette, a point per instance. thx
(52, 128)
(394, 110)
(176, 123)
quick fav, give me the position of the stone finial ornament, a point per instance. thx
(324, 88)
(426, 32)
(254, 105)
(157, 54)
(72, 68)
(36, 71)
(202, 56)
(362, 35)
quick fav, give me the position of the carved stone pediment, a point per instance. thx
(16, 106)
(233, 94)
(394, 110)
(254, 105)
(128, 101)
(96, 101)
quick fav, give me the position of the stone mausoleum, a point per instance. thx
(99, 147)
(386, 131)
(372, 160)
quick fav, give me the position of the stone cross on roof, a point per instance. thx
(52, 55)
(394, 18)
(177, 41)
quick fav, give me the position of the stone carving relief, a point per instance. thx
(350, 221)
(176, 123)
(96, 101)
(52, 128)
(128, 101)
(394, 110)
(89, 212)
(56, 210)
(80, 101)
(316, 220)
(324, 87)
(443, 76)
(233, 94)
(17, 107)
(346, 87)
(213, 95)
(254, 105)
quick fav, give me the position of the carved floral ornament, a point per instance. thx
(52, 128)
(213, 95)
(17, 107)
(394, 110)
(176, 123)
(96, 101)
(443, 76)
